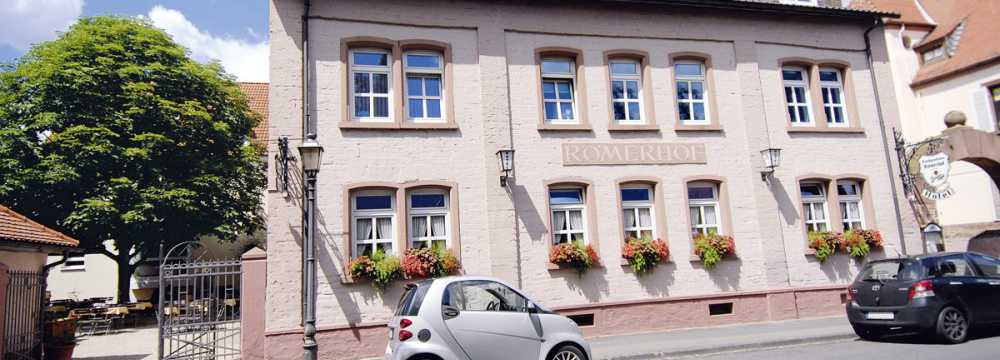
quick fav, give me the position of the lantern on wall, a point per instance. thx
(772, 159)
(506, 159)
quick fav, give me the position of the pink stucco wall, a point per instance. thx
(4, 280)
(253, 290)
(496, 106)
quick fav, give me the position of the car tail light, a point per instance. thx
(404, 335)
(405, 323)
(850, 293)
(921, 289)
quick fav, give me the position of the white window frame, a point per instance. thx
(372, 216)
(566, 209)
(828, 104)
(814, 202)
(424, 73)
(702, 204)
(690, 101)
(81, 257)
(635, 207)
(427, 213)
(630, 119)
(801, 2)
(795, 104)
(370, 70)
(933, 54)
(556, 79)
(844, 200)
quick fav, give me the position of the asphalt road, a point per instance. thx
(984, 346)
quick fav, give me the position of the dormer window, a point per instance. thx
(934, 54)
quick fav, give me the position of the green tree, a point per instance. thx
(111, 132)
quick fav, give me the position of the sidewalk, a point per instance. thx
(686, 342)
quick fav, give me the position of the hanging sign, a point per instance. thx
(934, 168)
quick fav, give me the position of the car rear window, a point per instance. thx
(413, 296)
(892, 270)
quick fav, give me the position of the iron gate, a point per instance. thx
(24, 319)
(199, 311)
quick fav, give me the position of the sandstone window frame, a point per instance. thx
(398, 99)
(373, 216)
(659, 214)
(798, 103)
(579, 86)
(844, 200)
(816, 106)
(645, 88)
(428, 214)
(815, 204)
(713, 117)
(371, 95)
(589, 216)
(425, 98)
(834, 212)
(723, 207)
(830, 91)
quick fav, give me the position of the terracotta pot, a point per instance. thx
(59, 351)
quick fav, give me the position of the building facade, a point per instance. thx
(624, 118)
(945, 58)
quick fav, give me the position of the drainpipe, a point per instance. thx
(309, 345)
(881, 127)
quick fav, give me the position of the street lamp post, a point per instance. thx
(311, 154)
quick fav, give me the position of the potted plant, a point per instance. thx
(644, 254)
(824, 243)
(855, 243)
(712, 248)
(574, 254)
(60, 339)
(379, 268)
(429, 262)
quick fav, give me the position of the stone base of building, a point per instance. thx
(602, 319)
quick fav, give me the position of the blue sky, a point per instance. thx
(231, 31)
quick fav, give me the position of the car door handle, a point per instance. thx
(955, 283)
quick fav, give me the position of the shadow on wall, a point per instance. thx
(592, 284)
(726, 274)
(837, 267)
(787, 207)
(657, 282)
(527, 213)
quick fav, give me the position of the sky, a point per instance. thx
(234, 32)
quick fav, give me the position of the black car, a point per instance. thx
(942, 294)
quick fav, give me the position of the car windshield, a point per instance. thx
(892, 270)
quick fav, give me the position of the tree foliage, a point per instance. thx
(111, 132)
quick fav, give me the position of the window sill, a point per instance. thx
(697, 259)
(637, 127)
(367, 125)
(625, 264)
(397, 126)
(430, 126)
(564, 127)
(556, 267)
(834, 130)
(709, 127)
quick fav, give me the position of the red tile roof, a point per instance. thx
(17, 228)
(909, 12)
(256, 93)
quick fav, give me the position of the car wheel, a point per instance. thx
(868, 333)
(952, 325)
(567, 352)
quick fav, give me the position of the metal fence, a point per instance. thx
(24, 315)
(199, 310)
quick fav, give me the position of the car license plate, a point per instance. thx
(880, 316)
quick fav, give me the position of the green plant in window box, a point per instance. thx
(432, 262)
(859, 243)
(712, 248)
(825, 243)
(379, 268)
(644, 254)
(574, 254)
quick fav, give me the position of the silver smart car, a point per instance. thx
(478, 318)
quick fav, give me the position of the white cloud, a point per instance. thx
(28, 22)
(247, 60)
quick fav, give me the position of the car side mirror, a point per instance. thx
(532, 308)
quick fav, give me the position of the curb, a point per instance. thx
(735, 347)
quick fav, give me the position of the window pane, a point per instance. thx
(788, 94)
(835, 95)
(381, 107)
(384, 228)
(645, 218)
(700, 192)
(791, 75)
(843, 211)
(361, 82)
(828, 76)
(800, 94)
(419, 226)
(560, 197)
(565, 90)
(371, 202)
(826, 95)
(683, 90)
(372, 59)
(362, 106)
(838, 115)
(437, 226)
(617, 89)
(427, 200)
(688, 69)
(792, 115)
(697, 91)
(632, 89)
(807, 211)
(423, 61)
(559, 220)
(847, 189)
(695, 215)
(576, 220)
(548, 90)
(551, 111)
(380, 83)
(416, 108)
(627, 68)
(635, 194)
(710, 217)
(557, 66)
(432, 86)
(810, 190)
(414, 86)
(433, 108)
(567, 110)
(699, 111)
(577, 237)
(619, 111)
(363, 228)
(630, 220)
(804, 114)
(829, 116)
(633, 111)
(684, 109)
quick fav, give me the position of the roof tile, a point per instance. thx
(18, 228)
(257, 98)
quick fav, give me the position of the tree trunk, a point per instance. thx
(125, 269)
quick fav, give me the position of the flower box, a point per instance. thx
(643, 255)
(574, 255)
(712, 248)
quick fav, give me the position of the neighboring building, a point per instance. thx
(945, 56)
(23, 248)
(626, 117)
(92, 275)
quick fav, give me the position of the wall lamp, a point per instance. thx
(506, 158)
(772, 159)
(281, 160)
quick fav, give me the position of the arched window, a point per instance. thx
(852, 210)
(796, 83)
(429, 223)
(373, 222)
(371, 84)
(831, 82)
(558, 89)
(626, 90)
(568, 208)
(637, 211)
(814, 206)
(704, 208)
(692, 100)
(424, 85)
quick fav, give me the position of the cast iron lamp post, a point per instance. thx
(311, 153)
